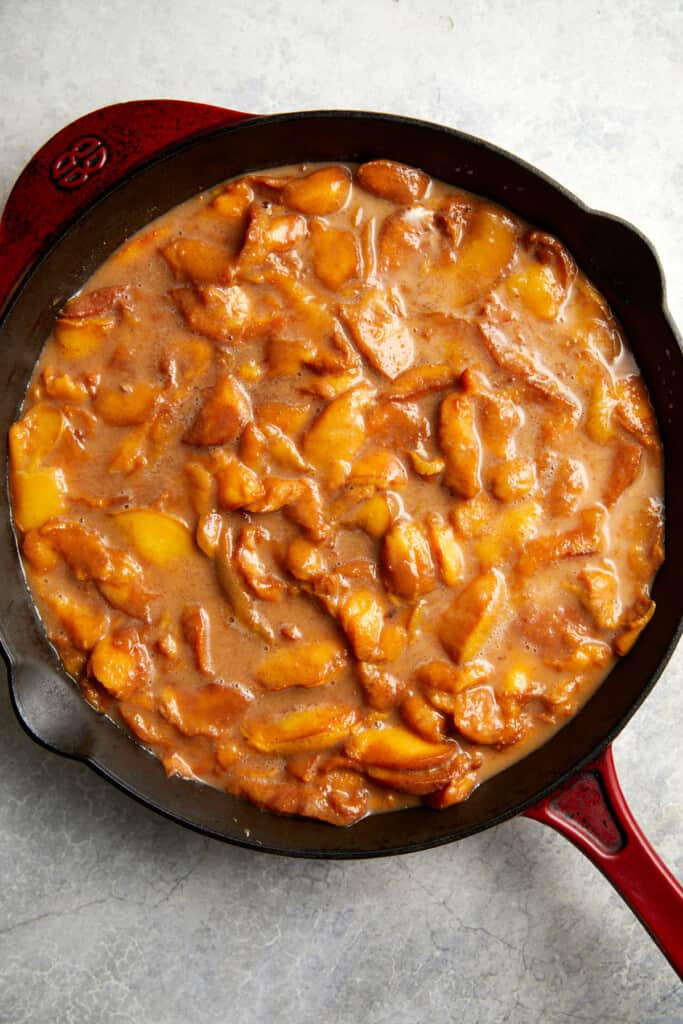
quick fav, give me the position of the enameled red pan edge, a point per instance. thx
(87, 159)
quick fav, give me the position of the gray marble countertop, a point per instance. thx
(110, 914)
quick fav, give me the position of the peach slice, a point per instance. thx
(321, 192)
(125, 406)
(306, 664)
(203, 262)
(37, 496)
(223, 416)
(314, 728)
(466, 625)
(160, 538)
(336, 258)
(407, 560)
(208, 710)
(338, 432)
(121, 663)
(394, 181)
(379, 332)
(35, 435)
(397, 748)
(460, 445)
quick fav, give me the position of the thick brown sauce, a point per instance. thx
(474, 542)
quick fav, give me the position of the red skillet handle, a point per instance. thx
(591, 811)
(82, 162)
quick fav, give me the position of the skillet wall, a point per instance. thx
(613, 255)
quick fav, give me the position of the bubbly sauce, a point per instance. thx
(339, 488)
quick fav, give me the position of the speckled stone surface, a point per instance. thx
(111, 915)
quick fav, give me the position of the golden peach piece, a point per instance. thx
(82, 548)
(426, 467)
(196, 626)
(251, 565)
(125, 406)
(479, 717)
(569, 484)
(392, 642)
(421, 380)
(85, 623)
(37, 496)
(219, 313)
(397, 748)
(307, 665)
(132, 452)
(398, 424)
(304, 559)
(185, 360)
(157, 537)
(233, 587)
(383, 690)
(201, 262)
(228, 754)
(472, 518)
(466, 625)
(336, 258)
(314, 728)
(483, 256)
(338, 432)
(362, 617)
(513, 479)
(34, 436)
(375, 515)
(418, 783)
(407, 560)
(587, 538)
(538, 289)
(237, 485)
(600, 594)
(378, 470)
(380, 333)
(634, 622)
(147, 725)
(319, 193)
(509, 533)
(70, 389)
(200, 485)
(208, 533)
(456, 792)
(121, 663)
(599, 413)
(460, 445)
(645, 531)
(124, 587)
(402, 238)
(38, 551)
(208, 710)
(447, 552)
(289, 417)
(441, 680)
(423, 719)
(393, 181)
(634, 412)
(283, 450)
(499, 420)
(233, 201)
(623, 472)
(81, 338)
(253, 447)
(223, 416)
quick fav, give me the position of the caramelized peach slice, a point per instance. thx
(314, 728)
(634, 622)
(397, 748)
(336, 258)
(393, 181)
(380, 333)
(421, 380)
(318, 193)
(237, 485)
(233, 202)
(398, 424)
(305, 560)
(289, 417)
(509, 533)
(460, 445)
(634, 412)
(196, 627)
(600, 594)
(233, 586)
(126, 405)
(383, 690)
(70, 389)
(447, 552)
(208, 710)
(202, 262)
(249, 561)
(81, 338)
(362, 619)
(585, 539)
(599, 413)
(479, 717)
(34, 436)
(307, 664)
(513, 479)
(147, 725)
(219, 313)
(84, 623)
(223, 416)
(38, 495)
(338, 432)
(407, 560)
(482, 258)
(456, 792)
(623, 472)
(466, 625)
(121, 663)
(157, 537)
(538, 289)
(375, 515)
(569, 483)
(378, 470)
(423, 719)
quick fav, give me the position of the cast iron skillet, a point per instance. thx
(106, 175)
